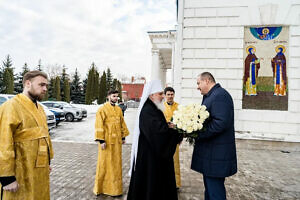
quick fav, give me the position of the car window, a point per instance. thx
(56, 105)
(47, 104)
(64, 104)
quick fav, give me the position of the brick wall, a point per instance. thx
(133, 91)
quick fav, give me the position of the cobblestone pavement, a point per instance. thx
(267, 170)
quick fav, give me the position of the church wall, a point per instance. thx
(211, 38)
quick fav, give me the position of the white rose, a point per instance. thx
(189, 129)
(184, 127)
(201, 120)
(206, 114)
(195, 127)
(181, 116)
(180, 108)
(200, 126)
(189, 123)
(203, 116)
(198, 107)
(177, 114)
(179, 125)
(195, 119)
(175, 121)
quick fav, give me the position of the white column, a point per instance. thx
(163, 77)
(173, 64)
(177, 71)
(177, 53)
(155, 70)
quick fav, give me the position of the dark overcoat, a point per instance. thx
(215, 150)
(154, 177)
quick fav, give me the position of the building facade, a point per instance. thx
(253, 50)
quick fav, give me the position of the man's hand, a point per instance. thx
(123, 141)
(171, 125)
(13, 187)
(103, 146)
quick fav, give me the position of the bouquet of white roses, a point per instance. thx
(189, 119)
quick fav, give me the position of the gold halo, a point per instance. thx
(280, 46)
(247, 49)
(265, 31)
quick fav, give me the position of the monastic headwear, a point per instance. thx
(150, 88)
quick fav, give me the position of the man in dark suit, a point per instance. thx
(214, 152)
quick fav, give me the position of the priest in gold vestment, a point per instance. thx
(110, 132)
(170, 107)
(25, 145)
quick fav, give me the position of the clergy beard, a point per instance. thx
(160, 105)
(112, 102)
(35, 96)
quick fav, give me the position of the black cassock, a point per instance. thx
(154, 177)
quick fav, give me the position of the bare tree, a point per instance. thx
(53, 70)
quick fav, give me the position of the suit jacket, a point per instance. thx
(215, 151)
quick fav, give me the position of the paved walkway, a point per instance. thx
(267, 170)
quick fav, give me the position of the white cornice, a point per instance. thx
(162, 34)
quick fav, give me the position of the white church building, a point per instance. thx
(244, 44)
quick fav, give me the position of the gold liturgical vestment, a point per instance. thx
(25, 148)
(109, 126)
(168, 115)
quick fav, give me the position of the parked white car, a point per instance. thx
(71, 112)
(83, 110)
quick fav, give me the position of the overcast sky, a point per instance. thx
(75, 33)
